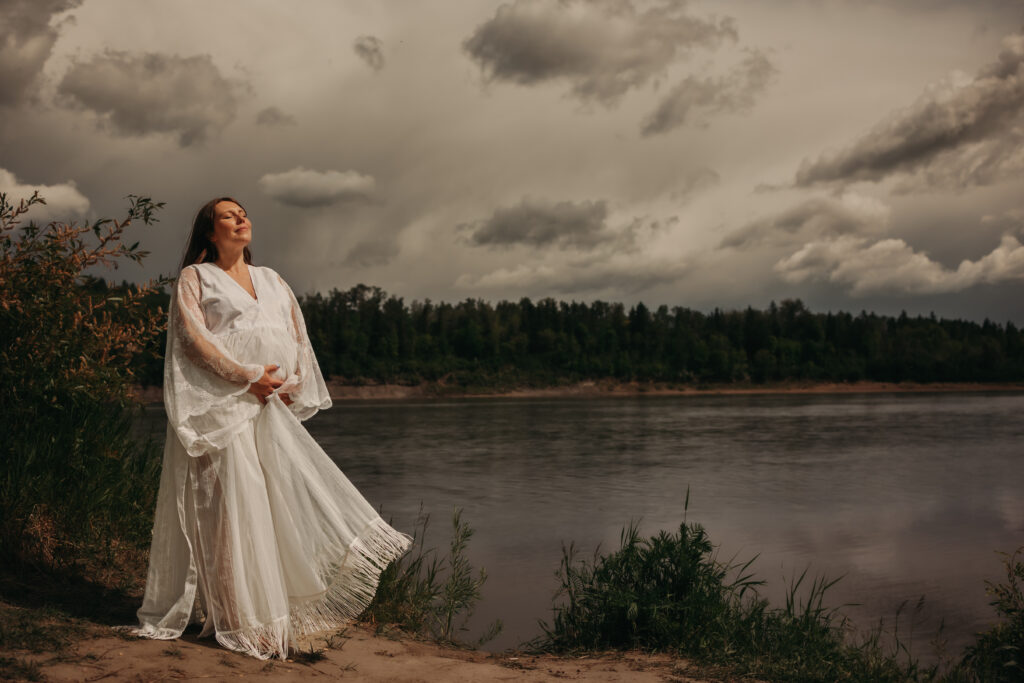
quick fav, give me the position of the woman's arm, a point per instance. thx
(197, 343)
(304, 385)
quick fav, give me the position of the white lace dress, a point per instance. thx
(256, 528)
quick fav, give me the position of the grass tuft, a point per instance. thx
(310, 657)
(12, 669)
(669, 592)
(428, 595)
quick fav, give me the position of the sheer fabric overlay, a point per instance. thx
(257, 533)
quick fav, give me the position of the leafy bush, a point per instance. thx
(669, 592)
(73, 480)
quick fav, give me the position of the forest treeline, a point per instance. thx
(365, 335)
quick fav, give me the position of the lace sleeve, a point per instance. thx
(304, 384)
(204, 388)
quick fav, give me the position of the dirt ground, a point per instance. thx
(356, 654)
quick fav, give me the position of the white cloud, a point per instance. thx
(891, 265)
(308, 188)
(612, 276)
(63, 201)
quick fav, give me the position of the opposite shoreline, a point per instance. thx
(344, 391)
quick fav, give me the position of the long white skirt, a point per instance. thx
(267, 537)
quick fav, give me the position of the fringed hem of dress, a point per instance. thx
(352, 577)
(352, 581)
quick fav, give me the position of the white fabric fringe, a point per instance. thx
(352, 580)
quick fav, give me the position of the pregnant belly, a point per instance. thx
(264, 346)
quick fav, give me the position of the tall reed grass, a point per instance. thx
(427, 594)
(670, 592)
(998, 653)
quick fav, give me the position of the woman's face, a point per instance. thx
(231, 227)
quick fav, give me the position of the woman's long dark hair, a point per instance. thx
(199, 248)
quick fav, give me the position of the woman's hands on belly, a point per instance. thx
(266, 385)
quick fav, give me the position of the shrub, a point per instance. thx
(669, 592)
(73, 480)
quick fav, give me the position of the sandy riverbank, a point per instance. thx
(341, 390)
(357, 654)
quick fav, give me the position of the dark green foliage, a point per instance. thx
(427, 595)
(670, 593)
(365, 335)
(75, 486)
(651, 593)
(998, 654)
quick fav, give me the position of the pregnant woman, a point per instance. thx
(257, 533)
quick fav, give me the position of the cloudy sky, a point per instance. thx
(854, 154)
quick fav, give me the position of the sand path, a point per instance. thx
(357, 655)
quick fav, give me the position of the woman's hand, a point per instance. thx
(266, 385)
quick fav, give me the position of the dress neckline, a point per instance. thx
(255, 298)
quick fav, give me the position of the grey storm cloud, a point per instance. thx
(538, 224)
(701, 179)
(371, 50)
(371, 253)
(602, 48)
(733, 93)
(620, 273)
(272, 116)
(308, 188)
(814, 218)
(954, 134)
(142, 94)
(26, 42)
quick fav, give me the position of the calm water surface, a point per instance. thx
(904, 495)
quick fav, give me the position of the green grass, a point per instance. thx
(429, 595)
(670, 592)
(998, 653)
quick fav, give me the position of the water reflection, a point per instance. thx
(904, 495)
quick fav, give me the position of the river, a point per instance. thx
(903, 495)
